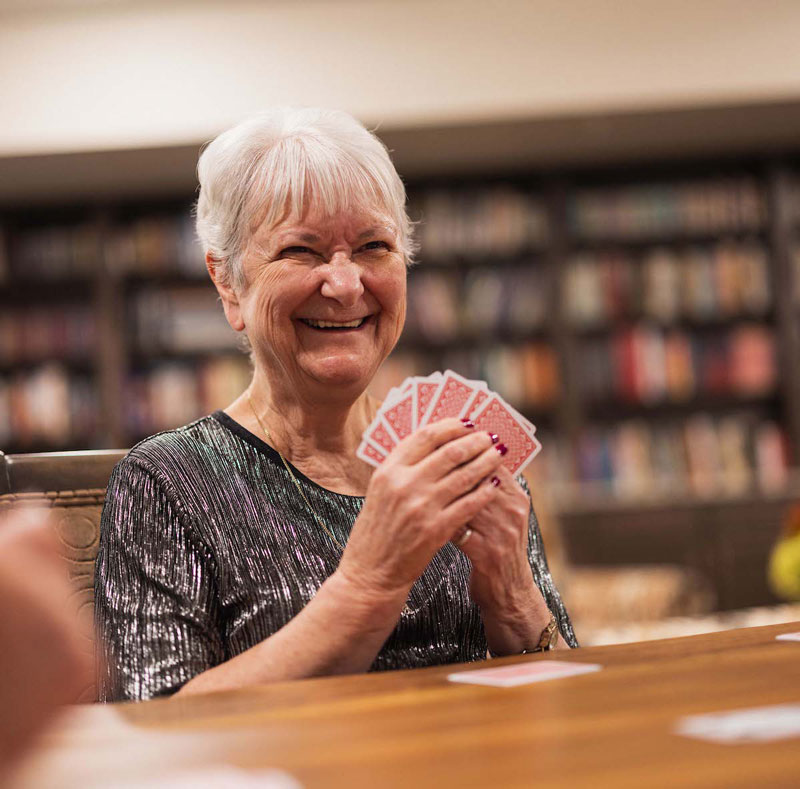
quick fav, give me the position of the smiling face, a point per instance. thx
(324, 302)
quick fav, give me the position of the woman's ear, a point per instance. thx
(230, 301)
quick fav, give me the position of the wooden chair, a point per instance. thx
(73, 485)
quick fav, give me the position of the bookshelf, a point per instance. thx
(645, 319)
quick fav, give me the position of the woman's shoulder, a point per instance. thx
(179, 447)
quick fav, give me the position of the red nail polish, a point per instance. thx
(502, 449)
(495, 482)
(495, 438)
(467, 423)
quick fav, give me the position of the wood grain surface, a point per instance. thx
(416, 729)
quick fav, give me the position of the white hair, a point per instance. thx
(275, 163)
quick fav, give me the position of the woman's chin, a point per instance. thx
(350, 375)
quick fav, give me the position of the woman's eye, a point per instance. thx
(294, 251)
(373, 245)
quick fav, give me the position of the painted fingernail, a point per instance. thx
(495, 482)
(495, 438)
(467, 423)
(502, 449)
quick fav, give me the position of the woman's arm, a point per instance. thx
(340, 631)
(421, 495)
(156, 582)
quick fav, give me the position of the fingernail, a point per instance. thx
(467, 423)
(502, 449)
(495, 438)
(495, 481)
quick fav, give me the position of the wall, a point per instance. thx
(81, 76)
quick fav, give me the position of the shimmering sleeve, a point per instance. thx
(155, 600)
(542, 576)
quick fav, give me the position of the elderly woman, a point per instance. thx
(253, 545)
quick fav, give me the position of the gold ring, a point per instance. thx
(463, 538)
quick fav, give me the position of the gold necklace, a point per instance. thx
(311, 509)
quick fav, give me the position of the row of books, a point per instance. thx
(703, 456)
(149, 246)
(34, 334)
(170, 394)
(725, 280)
(186, 319)
(495, 221)
(443, 305)
(528, 376)
(55, 252)
(646, 365)
(155, 245)
(668, 209)
(48, 406)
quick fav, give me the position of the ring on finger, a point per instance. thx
(463, 538)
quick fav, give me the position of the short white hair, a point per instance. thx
(264, 169)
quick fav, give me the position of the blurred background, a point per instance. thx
(608, 197)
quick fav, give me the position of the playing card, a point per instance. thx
(379, 436)
(369, 454)
(453, 394)
(523, 673)
(419, 400)
(398, 417)
(426, 389)
(496, 416)
(759, 724)
(481, 395)
(788, 637)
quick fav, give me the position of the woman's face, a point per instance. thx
(325, 299)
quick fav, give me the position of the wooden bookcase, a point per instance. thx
(106, 313)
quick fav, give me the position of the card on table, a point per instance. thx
(523, 673)
(758, 724)
(788, 637)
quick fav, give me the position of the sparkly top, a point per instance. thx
(206, 549)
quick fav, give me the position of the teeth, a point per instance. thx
(332, 325)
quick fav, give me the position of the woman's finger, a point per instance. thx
(464, 478)
(455, 453)
(416, 447)
(455, 516)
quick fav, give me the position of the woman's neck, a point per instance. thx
(319, 438)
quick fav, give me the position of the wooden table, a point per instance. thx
(414, 728)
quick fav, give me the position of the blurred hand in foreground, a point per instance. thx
(44, 660)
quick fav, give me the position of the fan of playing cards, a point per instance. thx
(420, 400)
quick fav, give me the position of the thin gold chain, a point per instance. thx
(311, 509)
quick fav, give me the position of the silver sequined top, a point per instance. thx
(206, 549)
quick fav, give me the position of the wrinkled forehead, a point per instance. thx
(317, 216)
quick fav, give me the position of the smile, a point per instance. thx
(334, 325)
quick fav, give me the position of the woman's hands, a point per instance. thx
(433, 483)
(501, 583)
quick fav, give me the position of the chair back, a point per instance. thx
(73, 485)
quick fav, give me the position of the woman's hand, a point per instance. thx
(433, 483)
(501, 583)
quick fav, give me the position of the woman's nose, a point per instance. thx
(342, 281)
